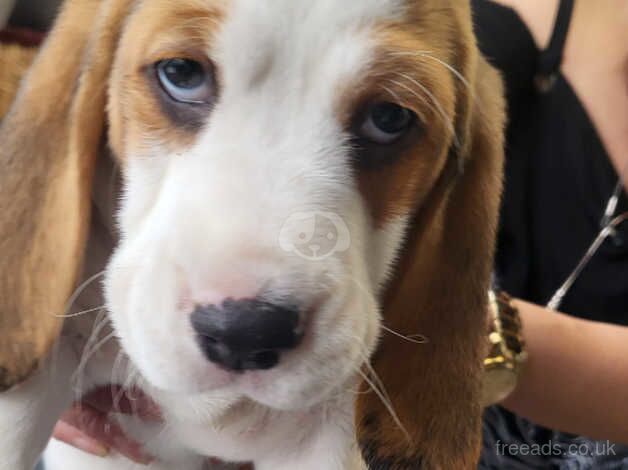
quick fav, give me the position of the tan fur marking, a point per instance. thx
(394, 188)
(14, 60)
(149, 37)
(439, 287)
(50, 140)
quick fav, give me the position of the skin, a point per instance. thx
(576, 376)
(86, 425)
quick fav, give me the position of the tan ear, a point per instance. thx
(14, 61)
(440, 291)
(49, 142)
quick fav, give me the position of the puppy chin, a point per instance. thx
(307, 396)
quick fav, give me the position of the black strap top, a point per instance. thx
(550, 59)
(558, 175)
(558, 181)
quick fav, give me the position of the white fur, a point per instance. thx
(386, 245)
(208, 223)
(29, 412)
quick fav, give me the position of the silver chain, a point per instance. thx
(609, 225)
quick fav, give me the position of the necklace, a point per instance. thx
(609, 224)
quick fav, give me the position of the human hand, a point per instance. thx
(87, 426)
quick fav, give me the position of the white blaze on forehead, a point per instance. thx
(274, 144)
(297, 49)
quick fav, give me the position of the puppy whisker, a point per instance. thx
(116, 397)
(88, 350)
(428, 55)
(77, 292)
(416, 339)
(86, 357)
(391, 93)
(82, 312)
(377, 386)
(438, 106)
(387, 404)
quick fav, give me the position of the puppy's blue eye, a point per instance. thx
(185, 80)
(384, 123)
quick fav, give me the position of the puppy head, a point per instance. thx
(272, 152)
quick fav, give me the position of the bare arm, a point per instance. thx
(576, 377)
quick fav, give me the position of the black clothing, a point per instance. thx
(558, 181)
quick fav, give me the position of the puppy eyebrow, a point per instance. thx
(410, 78)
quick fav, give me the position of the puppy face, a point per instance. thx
(272, 154)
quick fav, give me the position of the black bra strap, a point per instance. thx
(551, 57)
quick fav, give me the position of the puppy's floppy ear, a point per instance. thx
(14, 61)
(49, 141)
(440, 291)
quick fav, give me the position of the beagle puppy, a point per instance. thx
(304, 222)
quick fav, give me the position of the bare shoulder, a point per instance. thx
(538, 16)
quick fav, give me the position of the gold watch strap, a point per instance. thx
(506, 353)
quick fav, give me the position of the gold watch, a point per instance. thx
(507, 353)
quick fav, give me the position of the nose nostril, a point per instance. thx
(266, 359)
(209, 339)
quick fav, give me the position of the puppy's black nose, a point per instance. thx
(246, 334)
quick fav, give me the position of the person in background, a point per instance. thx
(565, 67)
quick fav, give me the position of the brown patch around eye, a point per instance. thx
(142, 115)
(394, 188)
(395, 177)
(371, 155)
